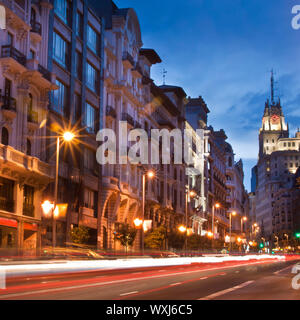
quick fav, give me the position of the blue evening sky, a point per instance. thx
(224, 50)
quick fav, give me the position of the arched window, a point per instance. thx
(4, 136)
(28, 149)
(33, 15)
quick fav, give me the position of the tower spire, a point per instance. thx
(272, 87)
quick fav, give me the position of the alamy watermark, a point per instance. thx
(296, 19)
(2, 278)
(137, 147)
(296, 278)
(2, 17)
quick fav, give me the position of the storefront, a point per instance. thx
(8, 236)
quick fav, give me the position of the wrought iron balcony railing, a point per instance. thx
(7, 205)
(12, 52)
(46, 74)
(9, 103)
(28, 210)
(36, 27)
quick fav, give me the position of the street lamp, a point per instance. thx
(192, 194)
(150, 174)
(277, 241)
(287, 238)
(215, 205)
(67, 136)
(233, 213)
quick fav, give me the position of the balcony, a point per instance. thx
(128, 118)
(7, 205)
(8, 51)
(15, 10)
(44, 72)
(27, 166)
(28, 210)
(128, 60)
(111, 112)
(9, 107)
(36, 27)
(138, 71)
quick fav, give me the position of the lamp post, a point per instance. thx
(47, 206)
(287, 238)
(242, 220)
(215, 205)
(233, 213)
(277, 243)
(187, 194)
(150, 174)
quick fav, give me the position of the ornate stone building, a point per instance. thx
(279, 158)
(237, 198)
(25, 84)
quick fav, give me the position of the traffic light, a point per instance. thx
(261, 245)
(297, 235)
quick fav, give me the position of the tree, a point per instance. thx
(80, 235)
(176, 240)
(125, 235)
(156, 238)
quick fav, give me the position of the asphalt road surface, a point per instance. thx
(255, 281)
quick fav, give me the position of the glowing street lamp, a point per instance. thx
(66, 136)
(150, 174)
(210, 234)
(182, 229)
(138, 222)
(233, 213)
(192, 194)
(215, 205)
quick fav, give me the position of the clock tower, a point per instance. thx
(273, 127)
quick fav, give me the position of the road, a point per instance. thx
(256, 280)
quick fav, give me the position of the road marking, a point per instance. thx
(277, 272)
(128, 293)
(161, 270)
(237, 272)
(176, 284)
(203, 278)
(82, 286)
(221, 293)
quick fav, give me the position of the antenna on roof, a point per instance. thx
(164, 72)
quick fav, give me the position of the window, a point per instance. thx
(10, 39)
(79, 24)
(92, 39)
(60, 50)
(78, 65)
(31, 54)
(28, 208)
(62, 9)
(6, 195)
(91, 77)
(4, 136)
(59, 98)
(28, 147)
(89, 198)
(90, 118)
(89, 159)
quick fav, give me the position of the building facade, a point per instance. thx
(25, 84)
(75, 55)
(277, 163)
